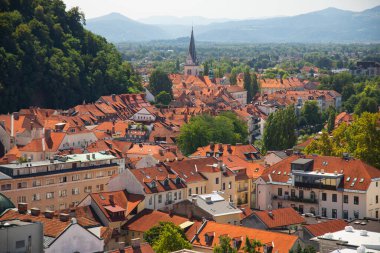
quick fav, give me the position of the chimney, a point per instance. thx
(35, 211)
(212, 145)
(64, 217)
(113, 127)
(220, 146)
(122, 247)
(22, 207)
(49, 214)
(161, 152)
(220, 164)
(16, 115)
(47, 134)
(229, 147)
(111, 199)
(135, 243)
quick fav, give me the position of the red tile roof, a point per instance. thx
(279, 217)
(282, 242)
(328, 226)
(237, 150)
(144, 248)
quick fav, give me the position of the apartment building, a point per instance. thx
(333, 187)
(58, 183)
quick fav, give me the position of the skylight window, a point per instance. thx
(273, 172)
(348, 179)
(352, 184)
(361, 180)
(355, 179)
(279, 173)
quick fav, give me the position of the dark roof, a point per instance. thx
(5, 203)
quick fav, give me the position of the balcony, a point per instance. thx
(295, 199)
(315, 186)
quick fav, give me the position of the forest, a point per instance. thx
(48, 59)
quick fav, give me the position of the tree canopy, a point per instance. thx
(153, 234)
(170, 238)
(48, 59)
(361, 139)
(201, 130)
(224, 246)
(159, 81)
(279, 131)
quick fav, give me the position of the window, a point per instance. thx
(356, 214)
(36, 183)
(356, 200)
(300, 194)
(75, 191)
(224, 186)
(62, 193)
(175, 196)
(189, 191)
(292, 193)
(217, 180)
(62, 179)
(99, 174)
(179, 195)
(334, 213)
(196, 190)
(376, 214)
(150, 200)
(279, 205)
(111, 172)
(229, 185)
(345, 199)
(20, 244)
(345, 214)
(50, 181)
(36, 197)
(22, 185)
(300, 209)
(279, 190)
(87, 176)
(100, 187)
(21, 199)
(75, 177)
(334, 198)
(377, 199)
(324, 197)
(6, 187)
(324, 212)
(49, 195)
(88, 189)
(159, 198)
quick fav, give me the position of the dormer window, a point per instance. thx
(177, 180)
(165, 182)
(209, 236)
(153, 184)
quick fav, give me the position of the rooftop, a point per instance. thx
(280, 217)
(215, 204)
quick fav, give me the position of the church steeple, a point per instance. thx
(192, 54)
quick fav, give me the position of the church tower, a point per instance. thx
(191, 65)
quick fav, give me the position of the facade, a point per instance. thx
(333, 187)
(366, 68)
(238, 93)
(58, 183)
(21, 236)
(144, 116)
(191, 66)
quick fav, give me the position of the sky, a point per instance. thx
(230, 9)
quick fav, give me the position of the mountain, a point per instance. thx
(118, 28)
(187, 21)
(328, 25)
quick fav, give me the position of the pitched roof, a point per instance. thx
(242, 151)
(190, 170)
(279, 217)
(144, 248)
(357, 175)
(327, 226)
(282, 242)
(147, 219)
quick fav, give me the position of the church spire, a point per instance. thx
(192, 53)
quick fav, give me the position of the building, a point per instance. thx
(61, 182)
(238, 93)
(286, 219)
(210, 206)
(247, 152)
(136, 247)
(349, 238)
(21, 236)
(333, 187)
(366, 68)
(207, 237)
(269, 86)
(191, 66)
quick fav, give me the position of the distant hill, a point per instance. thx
(328, 25)
(117, 28)
(188, 21)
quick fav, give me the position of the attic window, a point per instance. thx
(273, 172)
(257, 169)
(166, 182)
(361, 180)
(153, 184)
(177, 180)
(348, 179)
(279, 173)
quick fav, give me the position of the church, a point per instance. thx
(191, 65)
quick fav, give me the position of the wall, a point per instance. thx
(372, 206)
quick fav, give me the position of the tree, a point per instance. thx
(252, 246)
(206, 69)
(153, 234)
(255, 85)
(170, 240)
(366, 104)
(310, 112)
(159, 81)
(279, 130)
(361, 139)
(233, 76)
(248, 85)
(224, 246)
(177, 66)
(331, 121)
(163, 98)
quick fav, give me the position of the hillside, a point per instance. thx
(329, 25)
(48, 59)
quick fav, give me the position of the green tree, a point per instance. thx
(153, 234)
(177, 66)
(366, 104)
(279, 130)
(233, 76)
(248, 85)
(255, 85)
(310, 111)
(170, 240)
(206, 69)
(163, 98)
(224, 246)
(331, 121)
(252, 246)
(159, 81)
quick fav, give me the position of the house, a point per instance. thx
(269, 86)
(144, 115)
(277, 219)
(61, 233)
(210, 206)
(366, 68)
(207, 237)
(238, 93)
(247, 152)
(333, 187)
(136, 247)
(145, 220)
(273, 157)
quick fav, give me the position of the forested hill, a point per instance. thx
(48, 59)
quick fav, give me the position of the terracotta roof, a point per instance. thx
(147, 219)
(119, 126)
(279, 217)
(234, 88)
(328, 226)
(144, 248)
(282, 242)
(144, 149)
(51, 144)
(190, 170)
(122, 200)
(351, 169)
(238, 150)
(288, 83)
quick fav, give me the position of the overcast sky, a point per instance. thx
(232, 9)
